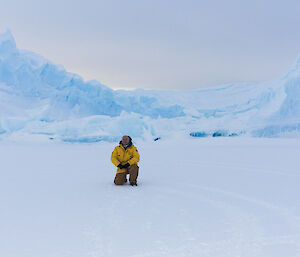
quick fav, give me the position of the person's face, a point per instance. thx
(125, 140)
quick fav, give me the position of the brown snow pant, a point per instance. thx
(132, 170)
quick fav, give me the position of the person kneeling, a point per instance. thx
(126, 156)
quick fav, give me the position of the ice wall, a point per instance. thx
(33, 76)
(39, 97)
(286, 120)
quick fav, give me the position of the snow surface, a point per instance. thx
(38, 97)
(224, 197)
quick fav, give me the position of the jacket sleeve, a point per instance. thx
(135, 157)
(114, 158)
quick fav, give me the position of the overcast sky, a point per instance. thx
(161, 44)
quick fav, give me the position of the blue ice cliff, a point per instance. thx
(38, 97)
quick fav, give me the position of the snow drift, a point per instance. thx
(38, 97)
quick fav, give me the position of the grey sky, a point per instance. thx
(166, 44)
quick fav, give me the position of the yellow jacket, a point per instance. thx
(120, 155)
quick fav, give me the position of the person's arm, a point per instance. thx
(114, 158)
(135, 157)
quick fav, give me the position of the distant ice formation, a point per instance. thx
(38, 97)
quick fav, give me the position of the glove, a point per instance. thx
(120, 166)
(126, 165)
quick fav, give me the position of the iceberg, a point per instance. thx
(39, 97)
